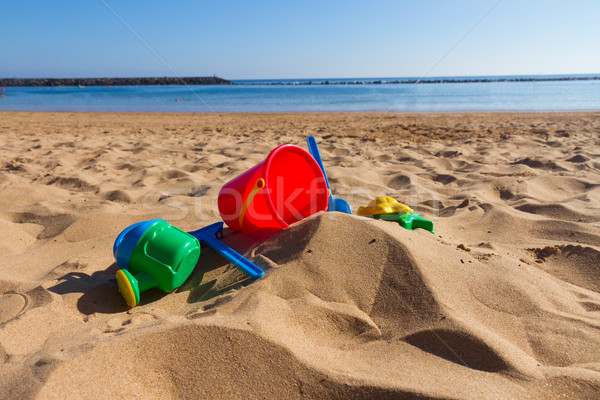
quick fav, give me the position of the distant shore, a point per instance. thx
(214, 80)
(170, 81)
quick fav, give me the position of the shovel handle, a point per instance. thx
(314, 151)
(205, 235)
(239, 261)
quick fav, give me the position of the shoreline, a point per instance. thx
(385, 126)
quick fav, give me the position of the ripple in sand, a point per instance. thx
(73, 183)
(53, 224)
(540, 164)
(444, 179)
(118, 196)
(460, 348)
(578, 159)
(11, 305)
(556, 211)
(577, 265)
(399, 182)
(172, 174)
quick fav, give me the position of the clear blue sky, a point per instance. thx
(300, 39)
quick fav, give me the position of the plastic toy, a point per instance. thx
(388, 209)
(153, 253)
(208, 236)
(340, 205)
(285, 188)
(157, 254)
(288, 186)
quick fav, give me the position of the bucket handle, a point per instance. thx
(258, 185)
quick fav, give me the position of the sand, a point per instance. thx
(503, 301)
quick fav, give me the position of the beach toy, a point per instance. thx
(285, 188)
(157, 254)
(209, 236)
(340, 205)
(388, 209)
(153, 254)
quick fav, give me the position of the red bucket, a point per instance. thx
(285, 188)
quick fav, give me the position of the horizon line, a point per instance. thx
(29, 77)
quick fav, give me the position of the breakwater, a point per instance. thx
(167, 81)
(418, 81)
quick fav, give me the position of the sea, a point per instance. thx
(432, 94)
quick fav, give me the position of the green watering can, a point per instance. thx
(157, 254)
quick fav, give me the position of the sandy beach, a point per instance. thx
(503, 301)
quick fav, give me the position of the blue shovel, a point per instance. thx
(207, 236)
(340, 205)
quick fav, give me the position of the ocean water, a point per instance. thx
(298, 96)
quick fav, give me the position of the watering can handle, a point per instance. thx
(258, 185)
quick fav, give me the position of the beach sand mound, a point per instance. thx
(351, 308)
(502, 302)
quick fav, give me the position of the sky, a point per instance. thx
(297, 39)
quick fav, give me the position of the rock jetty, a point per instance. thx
(211, 80)
(427, 81)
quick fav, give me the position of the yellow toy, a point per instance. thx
(389, 209)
